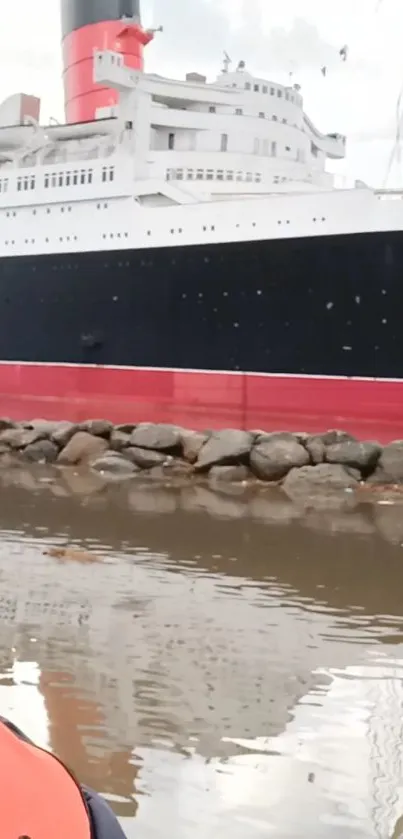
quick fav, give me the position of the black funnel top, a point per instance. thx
(79, 13)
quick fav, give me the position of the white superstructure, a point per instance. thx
(156, 170)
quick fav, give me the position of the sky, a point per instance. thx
(357, 97)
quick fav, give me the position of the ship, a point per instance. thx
(177, 251)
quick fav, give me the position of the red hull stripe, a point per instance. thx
(202, 399)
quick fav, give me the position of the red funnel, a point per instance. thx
(89, 25)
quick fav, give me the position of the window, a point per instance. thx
(256, 88)
(264, 88)
(279, 93)
(238, 112)
(61, 179)
(247, 85)
(68, 179)
(46, 182)
(212, 109)
(274, 118)
(54, 179)
(171, 141)
(261, 115)
(199, 175)
(288, 148)
(90, 176)
(287, 96)
(220, 175)
(272, 91)
(224, 142)
(75, 178)
(82, 177)
(273, 148)
(210, 175)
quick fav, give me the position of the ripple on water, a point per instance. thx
(221, 680)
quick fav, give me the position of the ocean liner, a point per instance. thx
(177, 251)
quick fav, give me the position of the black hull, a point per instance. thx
(328, 306)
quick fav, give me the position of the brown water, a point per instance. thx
(226, 667)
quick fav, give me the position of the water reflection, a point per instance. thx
(218, 674)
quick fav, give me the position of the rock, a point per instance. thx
(19, 438)
(274, 436)
(97, 427)
(272, 459)
(162, 438)
(114, 464)
(119, 440)
(145, 458)
(316, 449)
(125, 427)
(192, 444)
(323, 479)
(334, 435)
(389, 469)
(6, 423)
(46, 426)
(82, 448)
(174, 467)
(230, 474)
(43, 451)
(224, 448)
(363, 456)
(63, 433)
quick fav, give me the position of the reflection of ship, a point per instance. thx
(259, 629)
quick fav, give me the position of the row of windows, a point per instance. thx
(49, 210)
(212, 175)
(173, 231)
(77, 176)
(272, 91)
(239, 112)
(59, 179)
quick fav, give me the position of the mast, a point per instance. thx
(89, 25)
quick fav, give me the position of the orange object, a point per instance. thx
(40, 799)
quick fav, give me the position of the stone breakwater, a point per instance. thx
(299, 462)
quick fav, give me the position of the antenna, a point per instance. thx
(227, 62)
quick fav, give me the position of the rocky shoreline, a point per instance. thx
(300, 463)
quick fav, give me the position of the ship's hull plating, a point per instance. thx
(303, 331)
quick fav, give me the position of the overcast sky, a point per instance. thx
(357, 97)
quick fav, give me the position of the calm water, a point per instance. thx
(226, 665)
